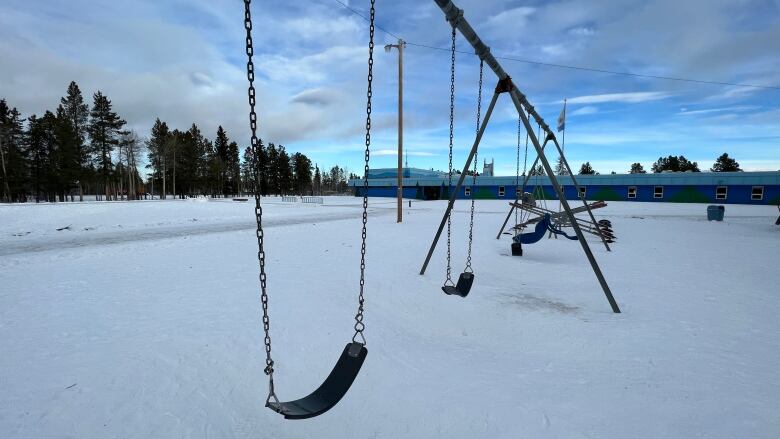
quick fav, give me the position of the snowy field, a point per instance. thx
(142, 320)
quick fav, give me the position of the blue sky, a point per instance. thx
(183, 61)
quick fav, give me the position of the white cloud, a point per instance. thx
(588, 109)
(630, 97)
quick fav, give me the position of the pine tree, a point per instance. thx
(724, 163)
(674, 164)
(538, 170)
(560, 168)
(76, 111)
(247, 170)
(586, 169)
(272, 169)
(302, 174)
(221, 144)
(233, 168)
(285, 171)
(636, 168)
(13, 155)
(156, 147)
(104, 129)
(317, 181)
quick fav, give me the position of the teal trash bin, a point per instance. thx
(715, 213)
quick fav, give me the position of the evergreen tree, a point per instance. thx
(156, 147)
(724, 163)
(272, 169)
(302, 174)
(247, 170)
(317, 181)
(586, 169)
(538, 170)
(13, 155)
(76, 111)
(220, 163)
(560, 168)
(636, 168)
(675, 164)
(104, 129)
(233, 169)
(285, 171)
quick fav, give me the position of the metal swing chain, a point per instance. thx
(250, 74)
(474, 177)
(359, 325)
(448, 281)
(521, 192)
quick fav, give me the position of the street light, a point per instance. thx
(400, 191)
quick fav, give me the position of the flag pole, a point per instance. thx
(563, 135)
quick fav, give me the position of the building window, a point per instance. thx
(501, 191)
(757, 193)
(583, 191)
(632, 192)
(721, 192)
(519, 191)
(467, 191)
(658, 192)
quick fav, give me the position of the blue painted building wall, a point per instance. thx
(740, 187)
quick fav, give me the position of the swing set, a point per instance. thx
(349, 363)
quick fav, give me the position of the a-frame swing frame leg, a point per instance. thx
(466, 167)
(455, 16)
(559, 191)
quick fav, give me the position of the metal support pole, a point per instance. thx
(515, 94)
(454, 193)
(400, 129)
(455, 17)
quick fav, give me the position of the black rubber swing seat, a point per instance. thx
(330, 391)
(463, 286)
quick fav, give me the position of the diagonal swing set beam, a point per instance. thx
(454, 193)
(456, 19)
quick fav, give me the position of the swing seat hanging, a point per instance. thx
(330, 391)
(462, 288)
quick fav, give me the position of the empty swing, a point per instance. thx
(338, 382)
(466, 278)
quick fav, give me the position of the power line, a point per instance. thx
(566, 66)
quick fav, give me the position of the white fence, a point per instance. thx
(287, 199)
(312, 200)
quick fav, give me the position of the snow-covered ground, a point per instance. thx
(142, 320)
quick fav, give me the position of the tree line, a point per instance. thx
(671, 163)
(78, 149)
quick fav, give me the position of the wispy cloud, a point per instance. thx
(588, 109)
(628, 98)
(740, 108)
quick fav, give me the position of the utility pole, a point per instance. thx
(400, 190)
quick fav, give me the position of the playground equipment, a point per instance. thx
(559, 220)
(455, 17)
(335, 386)
(466, 278)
